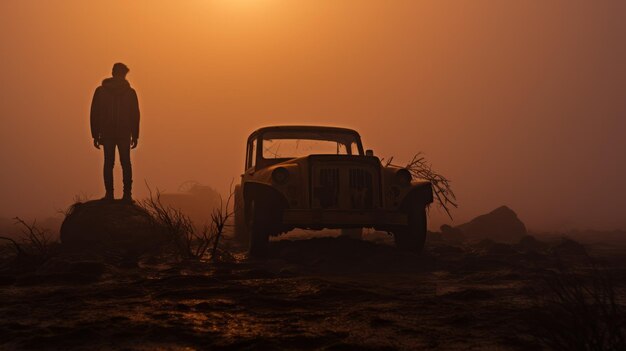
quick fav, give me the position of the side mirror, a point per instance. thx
(369, 152)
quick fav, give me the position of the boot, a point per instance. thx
(128, 186)
(128, 197)
(108, 196)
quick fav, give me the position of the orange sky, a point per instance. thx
(519, 102)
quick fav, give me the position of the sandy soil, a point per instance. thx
(319, 293)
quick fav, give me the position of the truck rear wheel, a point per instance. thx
(413, 236)
(256, 218)
(352, 233)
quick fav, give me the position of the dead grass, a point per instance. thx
(188, 241)
(33, 247)
(579, 310)
(219, 218)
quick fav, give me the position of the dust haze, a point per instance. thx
(519, 103)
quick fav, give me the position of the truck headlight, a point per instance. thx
(403, 177)
(280, 175)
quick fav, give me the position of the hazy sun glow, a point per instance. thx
(519, 103)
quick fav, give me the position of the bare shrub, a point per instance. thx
(442, 190)
(219, 219)
(16, 246)
(579, 311)
(36, 239)
(34, 244)
(82, 197)
(176, 225)
(188, 241)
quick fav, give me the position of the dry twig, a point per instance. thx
(177, 226)
(35, 238)
(18, 248)
(442, 189)
(219, 218)
(34, 243)
(188, 241)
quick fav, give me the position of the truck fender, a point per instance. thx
(421, 193)
(273, 201)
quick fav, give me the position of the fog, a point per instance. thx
(520, 103)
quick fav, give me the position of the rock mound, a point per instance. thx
(452, 234)
(530, 244)
(569, 248)
(500, 225)
(490, 247)
(110, 224)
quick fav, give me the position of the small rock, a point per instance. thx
(447, 250)
(569, 247)
(491, 247)
(451, 234)
(501, 225)
(530, 244)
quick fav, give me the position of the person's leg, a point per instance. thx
(109, 162)
(123, 145)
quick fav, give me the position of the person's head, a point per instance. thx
(120, 70)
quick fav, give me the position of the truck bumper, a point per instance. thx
(340, 218)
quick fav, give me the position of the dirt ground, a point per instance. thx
(318, 293)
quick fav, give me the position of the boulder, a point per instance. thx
(101, 223)
(499, 225)
(451, 234)
(568, 248)
(530, 244)
(490, 247)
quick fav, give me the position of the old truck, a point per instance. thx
(315, 178)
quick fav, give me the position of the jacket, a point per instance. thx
(115, 110)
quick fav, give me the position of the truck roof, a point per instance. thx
(301, 128)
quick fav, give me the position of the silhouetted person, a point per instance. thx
(115, 123)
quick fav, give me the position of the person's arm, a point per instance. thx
(95, 118)
(134, 120)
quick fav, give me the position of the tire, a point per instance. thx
(352, 233)
(413, 236)
(241, 232)
(256, 218)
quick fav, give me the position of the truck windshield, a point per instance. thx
(298, 144)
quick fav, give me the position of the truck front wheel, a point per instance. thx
(412, 236)
(241, 232)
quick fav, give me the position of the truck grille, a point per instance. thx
(328, 191)
(361, 188)
(344, 188)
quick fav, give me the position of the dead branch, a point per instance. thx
(18, 248)
(177, 226)
(35, 237)
(442, 189)
(189, 242)
(219, 218)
